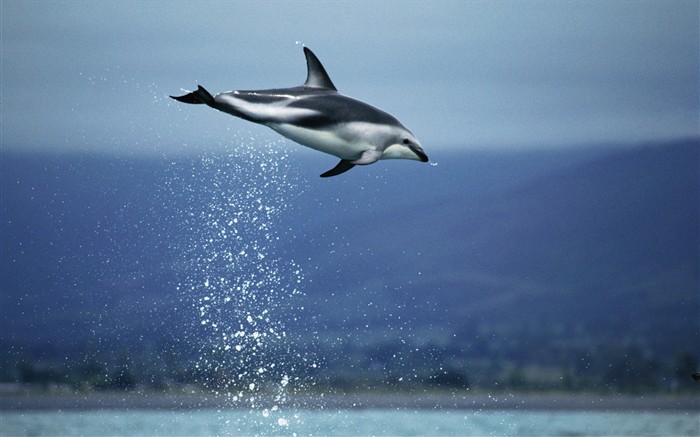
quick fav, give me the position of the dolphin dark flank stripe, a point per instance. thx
(316, 115)
(335, 108)
(316, 121)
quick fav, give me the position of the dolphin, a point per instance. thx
(316, 115)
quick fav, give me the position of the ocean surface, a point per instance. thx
(347, 423)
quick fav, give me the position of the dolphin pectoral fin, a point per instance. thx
(342, 167)
(201, 96)
(368, 157)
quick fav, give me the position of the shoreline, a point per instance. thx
(352, 401)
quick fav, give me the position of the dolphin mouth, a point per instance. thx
(420, 153)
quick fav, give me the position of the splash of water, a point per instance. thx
(242, 288)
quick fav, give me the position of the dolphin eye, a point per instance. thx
(406, 141)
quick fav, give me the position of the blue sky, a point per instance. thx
(95, 76)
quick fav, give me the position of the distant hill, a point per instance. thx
(483, 264)
(599, 255)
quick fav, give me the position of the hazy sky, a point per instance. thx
(95, 75)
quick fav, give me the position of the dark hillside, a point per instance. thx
(481, 264)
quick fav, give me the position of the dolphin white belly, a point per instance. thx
(327, 141)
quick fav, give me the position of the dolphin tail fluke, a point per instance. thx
(342, 167)
(201, 96)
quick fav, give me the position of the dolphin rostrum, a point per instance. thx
(316, 115)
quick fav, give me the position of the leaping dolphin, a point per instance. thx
(316, 115)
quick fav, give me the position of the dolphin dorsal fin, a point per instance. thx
(316, 76)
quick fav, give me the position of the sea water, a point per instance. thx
(347, 423)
